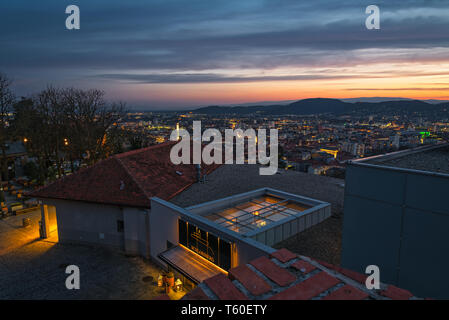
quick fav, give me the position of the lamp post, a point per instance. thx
(2, 200)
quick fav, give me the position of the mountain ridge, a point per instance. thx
(324, 105)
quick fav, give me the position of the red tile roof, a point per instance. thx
(308, 288)
(128, 179)
(224, 289)
(310, 280)
(347, 292)
(303, 266)
(272, 271)
(250, 280)
(196, 294)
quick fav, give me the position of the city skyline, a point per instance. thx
(169, 55)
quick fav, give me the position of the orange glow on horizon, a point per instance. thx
(408, 80)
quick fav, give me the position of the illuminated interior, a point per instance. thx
(256, 213)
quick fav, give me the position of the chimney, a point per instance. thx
(198, 172)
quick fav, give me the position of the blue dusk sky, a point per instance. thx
(172, 54)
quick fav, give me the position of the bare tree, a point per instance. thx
(41, 120)
(27, 125)
(51, 106)
(6, 104)
(68, 125)
(89, 121)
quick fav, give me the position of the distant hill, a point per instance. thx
(384, 99)
(265, 103)
(374, 99)
(322, 105)
(318, 105)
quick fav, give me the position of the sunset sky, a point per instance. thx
(174, 54)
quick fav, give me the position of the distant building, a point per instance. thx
(317, 169)
(306, 155)
(356, 149)
(395, 141)
(16, 155)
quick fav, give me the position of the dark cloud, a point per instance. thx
(166, 37)
(213, 78)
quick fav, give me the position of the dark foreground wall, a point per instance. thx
(398, 219)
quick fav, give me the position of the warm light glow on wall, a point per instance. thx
(202, 258)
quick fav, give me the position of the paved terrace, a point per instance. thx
(31, 268)
(322, 241)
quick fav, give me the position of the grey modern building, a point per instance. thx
(396, 216)
(228, 232)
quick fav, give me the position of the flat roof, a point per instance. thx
(231, 179)
(256, 213)
(190, 264)
(433, 160)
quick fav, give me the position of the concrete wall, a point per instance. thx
(92, 223)
(143, 233)
(163, 227)
(398, 219)
(88, 223)
(274, 233)
(135, 233)
(248, 249)
(53, 223)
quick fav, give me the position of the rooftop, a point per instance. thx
(322, 241)
(286, 276)
(15, 148)
(128, 179)
(433, 159)
(256, 213)
(233, 179)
